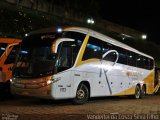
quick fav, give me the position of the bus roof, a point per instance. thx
(105, 38)
(9, 40)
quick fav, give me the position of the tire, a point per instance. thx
(82, 95)
(143, 91)
(7, 90)
(138, 93)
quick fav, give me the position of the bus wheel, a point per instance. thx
(143, 91)
(137, 94)
(82, 95)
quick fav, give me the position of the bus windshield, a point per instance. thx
(35, 57)
(2, 48)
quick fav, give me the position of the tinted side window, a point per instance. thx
(111, 57)
(139, 61)
(107, 47)
(93, 49)
(2, 48)
(131, 58)
(67, 54)
(122, 56)
(12, 55)
(146, 62)
(65, 57)
(151, 64)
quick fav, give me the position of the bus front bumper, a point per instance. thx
(42, 92)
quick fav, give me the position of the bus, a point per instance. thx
(8, 51)
(78, 63)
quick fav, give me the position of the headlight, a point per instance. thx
(11, 81)
(49, 82)
(53, 80)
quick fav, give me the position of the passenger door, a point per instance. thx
(65, 61)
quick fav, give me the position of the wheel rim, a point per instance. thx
(80, 94)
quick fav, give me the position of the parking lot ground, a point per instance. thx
(23, 108)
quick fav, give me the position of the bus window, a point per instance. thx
(146, 62)
(12, 55)
(106, 47)
(2, 48)
(67, 54)
(131, 58)
(111, 57)
(122, 56)
(151, 64)
(139, 61)
(75, 47)
(93, 49)
(35, 60)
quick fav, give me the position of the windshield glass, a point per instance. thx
(2, 48)
(35, 57)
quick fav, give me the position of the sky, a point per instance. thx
(142, 15)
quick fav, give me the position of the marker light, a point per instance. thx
(92, 21)
(144, 37)
(26, 35)
(59, 30)
(88, 21)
